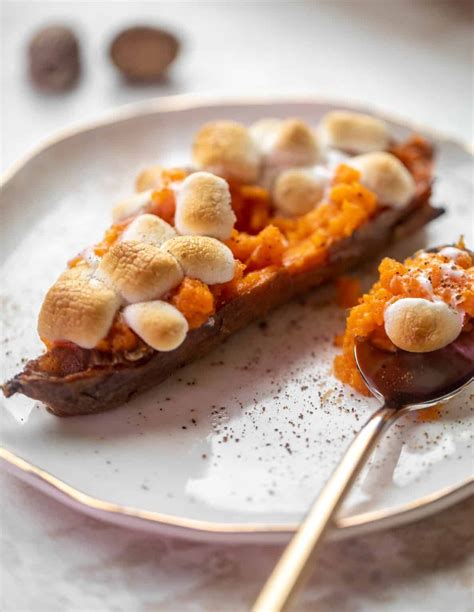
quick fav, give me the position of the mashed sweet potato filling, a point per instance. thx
(261, 243)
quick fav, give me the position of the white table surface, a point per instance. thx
(410, 58)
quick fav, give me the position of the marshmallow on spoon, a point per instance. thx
(203, 206)
(420, 326)
(454, 254)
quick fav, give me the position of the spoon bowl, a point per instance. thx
(416, 380)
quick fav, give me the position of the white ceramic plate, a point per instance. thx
(238, 444)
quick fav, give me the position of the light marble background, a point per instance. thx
(413, 58)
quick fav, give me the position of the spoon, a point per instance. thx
(403, 381)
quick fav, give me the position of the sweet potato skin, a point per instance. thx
(97, 387)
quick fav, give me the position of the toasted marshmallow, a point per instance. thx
(386, 176)
(150, 178)
(203, 258)
(131, 206)
(90, 257)
(149, 229)
(265, 132)
(82, 271)
(225, 148)
(299, 190)
(285, 143)
(420, 326)
(138, 271)
(159, 324)
(77, 310)
(354, 132)
(203, 207)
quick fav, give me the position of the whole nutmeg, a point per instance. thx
(143, 53)
(54, 58)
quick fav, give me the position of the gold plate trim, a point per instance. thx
(345, 526)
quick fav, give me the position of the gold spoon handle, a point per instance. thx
(293, 568)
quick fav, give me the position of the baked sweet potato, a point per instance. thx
(88, 381)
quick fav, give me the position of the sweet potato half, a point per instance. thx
(88, 381)
(74, 381)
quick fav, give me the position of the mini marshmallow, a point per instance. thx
(453, 253)
(77, 310)
(386, 176)
(149, 229)
(139, 271)
(354, 132)
(90, 257)
(203, 206)
(82, 271)
(225, 148)
(206, 259)
(131, 206)
(299, 190)
(420, 326)
(150, 178)
(285, 143)
(159, 324)
(265, 132)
